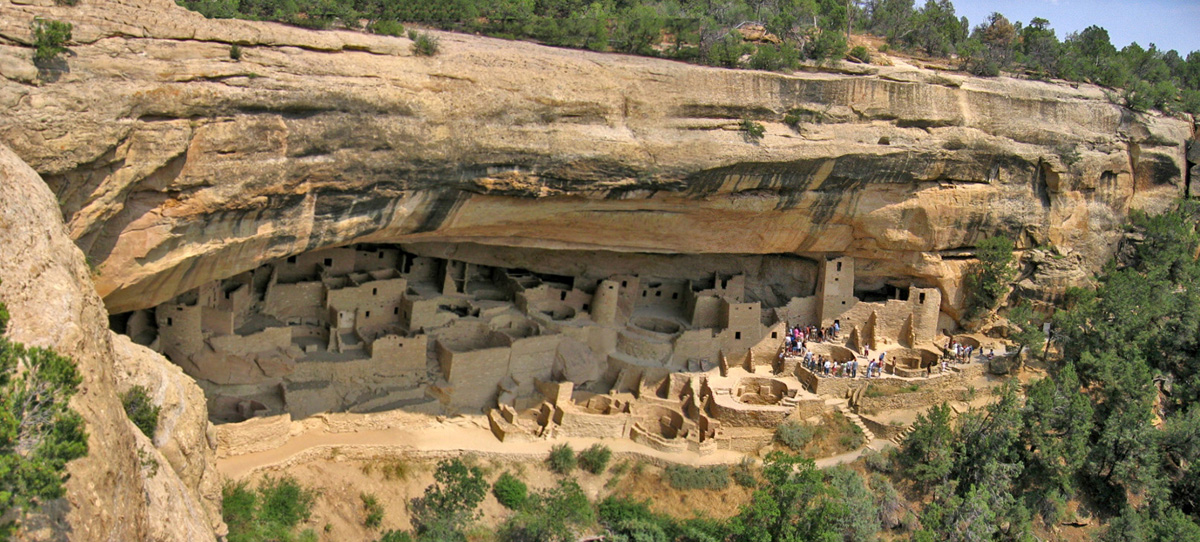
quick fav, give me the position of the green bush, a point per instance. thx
(386, 27)
(395, 536)
(49, 39)
(987, 279)
(860, 54)
(270, 512)
(794, 435)
(235, 52)
(450, 504)
(510, 491)
(372, 509)
(424, 44)
(595, 458)
(39, 434)
(562, 459)
(743, 473)
(751, 130)
(715, 477)
(141, 410)
(878, 461)
(552, 515)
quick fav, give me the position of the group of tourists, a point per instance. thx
(795, 341)
(824, 366)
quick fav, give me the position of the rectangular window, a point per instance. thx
(624, 283)
(675, 295)
(658, 293)
(291, 259)
(368, 315)
(586, 307)
(922, 298)
(396, 310)
(737, 335)
(328, 262)
(563, 297)
(774, 334)
(839, 266)
(169, 321)
(374, 291)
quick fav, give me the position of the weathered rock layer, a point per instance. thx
(175, 164)
(123, 489)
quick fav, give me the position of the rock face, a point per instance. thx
(175, 165)
(48, 290)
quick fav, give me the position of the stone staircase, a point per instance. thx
(903, 434)
(843, 406)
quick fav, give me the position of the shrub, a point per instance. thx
(510, 491)
(853, 440)
(235, 52)
(743, 473)
(141, 410)
(987, 279)
(386, 27)
(39, 434)
(392, 469)
(49, 38)
(269, 513)
(595, 458)
(877, 461)
(66, 2)
(449, 504)
(550, 516)
(794, 435)
(562, 459)
(424, 44)
(684, 477)
(860, 54)
(752, 131)
(372, 509)
(395, 536)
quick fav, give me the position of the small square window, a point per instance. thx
(624, 283)
(675, 295)
(586, 307)
(291, 259)
(774, 334)
(328, 262)
(737, 335)
(658, 293)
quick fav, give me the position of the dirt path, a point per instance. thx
(452, 438)
(447, 438)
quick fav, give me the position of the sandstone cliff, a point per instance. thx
(175, 164)
(113, 493)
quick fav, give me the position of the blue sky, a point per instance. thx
(1171, 24)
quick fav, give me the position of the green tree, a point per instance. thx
(785, 507)
(988, 279)
(49, 39)
(927, 453)
(553, 515)
(39, 434)
(638, 30)
(449, 505)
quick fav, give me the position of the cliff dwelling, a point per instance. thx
(676, 360)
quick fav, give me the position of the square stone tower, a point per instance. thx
(835, 288)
